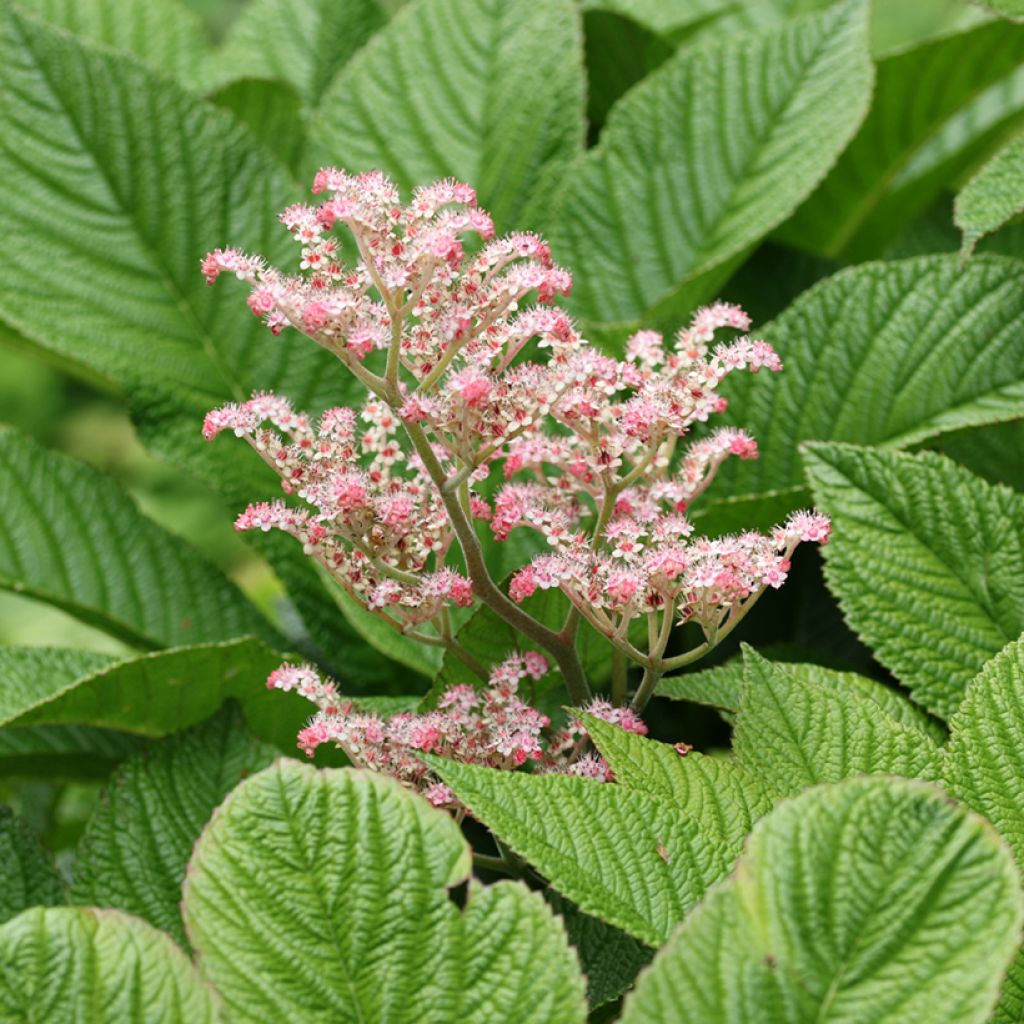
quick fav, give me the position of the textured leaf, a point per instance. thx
(320, 896)
(872, 900)
(927, 562)
(271, 111)
(489, 91)
(74, 539)
(1013, 9)
(634, 861)
(985, 769)
(993, 196)
(30, 879)
(152, 695)
(660, 17)
(792, 732)
(718, 793)
(165, 34)
(906, 152)
(706, 156)
(719, 687)
(71, 965)
(302, 42)
(63, 751)
(883, 354)
(139, 840)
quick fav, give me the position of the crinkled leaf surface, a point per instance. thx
(487, 91)
(985, 769)
(76, 965)
(74, 539)
(635, 861)
(139, 840)
(793, 732)
(871, 900)
(320, 896)
(717, 792)
(962, 87)
(992, 197)
(704, 157)
(302, 42)
(29, 876)
(927, 562)
(884, 354)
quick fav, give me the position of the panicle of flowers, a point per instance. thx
(492, 726)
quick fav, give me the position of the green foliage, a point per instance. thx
(30, 879)
(321, 896)
(873, 899)
(992, 197)
(763, 120)
(927, 562)
(632, 859)
(82, 966)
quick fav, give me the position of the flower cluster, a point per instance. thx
(491, 727)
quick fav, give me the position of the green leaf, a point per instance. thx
(152, 695)
(985, 769)
(721, 796)
(71, 965)
(992, 197)
(719, 687)
(63, 751)
(872, 900)
(30, 879)
(927, 562)
(1012, 9)
(793, 732)
(660, 17)
(320, 896)
(165, 34)
(138, 842)
(991, 451)
(302, 42)
(487, 91)
(963, 87)
(627, 858)
(703, 158)
(71, 537)
(271, 111)
(886, 354)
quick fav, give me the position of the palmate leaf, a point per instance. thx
(488, 91)
(703, 158)
(71, 537)
(793, 732)
(992, 197)
(30, 878)
(927, 562)
(628, 858)
(165, 34)
(964, 87)
(886, 354)
(139, 840)
(71, 965)
(985, 769)
(717, 792)
(871, 900)
(320, 896)
(301, 42)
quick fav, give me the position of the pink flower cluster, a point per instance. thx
(491, 727)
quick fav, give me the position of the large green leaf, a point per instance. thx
(490, 91)
(872, 900)
(934, 107)
(793, 732)
(271, 111)
(703, 158)
(718, 793)
(321, 896)
(29, 876)
(993, 196)
(139, 840)
(166, 34)
(72, 538)
(302, 42)
(927, 562)
(63, 751)
(666, 19)
(1013, 9)
(885, 354)
(635, 861)
(985, 769)
(71, 965)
